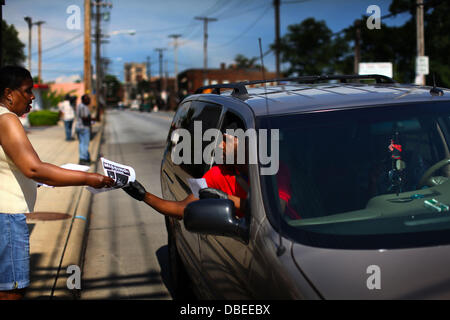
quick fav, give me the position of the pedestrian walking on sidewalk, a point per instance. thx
(20, 168)
(83, 129)
(68, 115)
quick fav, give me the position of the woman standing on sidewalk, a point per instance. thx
(20, 167)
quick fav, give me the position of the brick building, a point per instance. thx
(192, 79)
(133, 74)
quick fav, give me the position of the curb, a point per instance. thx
(76, 238)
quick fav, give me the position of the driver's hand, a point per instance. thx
(211, 193)
(136, 190)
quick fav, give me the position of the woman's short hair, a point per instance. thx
(12, 77)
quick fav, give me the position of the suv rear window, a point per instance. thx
(343, 186)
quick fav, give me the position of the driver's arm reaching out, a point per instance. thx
(167, 207)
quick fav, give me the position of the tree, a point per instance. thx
(437, 41)
(242, 62)
(387, 44)
(310, 48)
(113, 86)
(12, 47)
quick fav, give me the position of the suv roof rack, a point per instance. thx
(240, 91)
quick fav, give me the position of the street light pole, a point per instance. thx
(29, 21)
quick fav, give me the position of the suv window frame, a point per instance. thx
(187, 168)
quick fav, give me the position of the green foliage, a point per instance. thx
(51, 99)
(43, 118)
(11, 46)
(113, 86)
(388, 44)
(311, 49)
(242, 62)
(437, 41)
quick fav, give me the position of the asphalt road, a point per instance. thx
(126, 254)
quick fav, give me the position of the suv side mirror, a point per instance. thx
(215, 217)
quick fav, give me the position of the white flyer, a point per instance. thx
(196, 185)
(120, 173)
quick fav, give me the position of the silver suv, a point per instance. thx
(359, 206)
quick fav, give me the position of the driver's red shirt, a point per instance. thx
(223, 178)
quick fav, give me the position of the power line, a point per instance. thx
(390, 15)
(61, 44)
(234, 14)
(246, 30)
(62, 53)
(165, 29)
(294, 1)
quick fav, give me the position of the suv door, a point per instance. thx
(226, 261)
(174, 177)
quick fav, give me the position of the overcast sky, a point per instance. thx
(240, 23)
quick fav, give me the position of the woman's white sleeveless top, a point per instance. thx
(17, 192)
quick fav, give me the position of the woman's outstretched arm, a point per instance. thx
(18, 148)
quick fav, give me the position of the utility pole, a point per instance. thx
(420, 79)
(357, 59)
(97, 58)
(149, 71)
(29, 21)
(39, 23)
(87, 48)
(175, 54)
(205, 44)
(2, 3)
(276, 4)
(98, 61)
(166, 74)
(160, 51)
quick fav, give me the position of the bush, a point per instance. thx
(43, 118)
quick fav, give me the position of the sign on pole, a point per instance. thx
(383, 68)
(422, 65)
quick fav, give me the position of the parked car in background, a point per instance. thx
(135, 105)
(364, 167)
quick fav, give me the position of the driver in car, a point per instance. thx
(224, 182)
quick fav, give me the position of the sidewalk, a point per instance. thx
(58, 224)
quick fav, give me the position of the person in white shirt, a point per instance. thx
(83, 129)
(68, 115)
